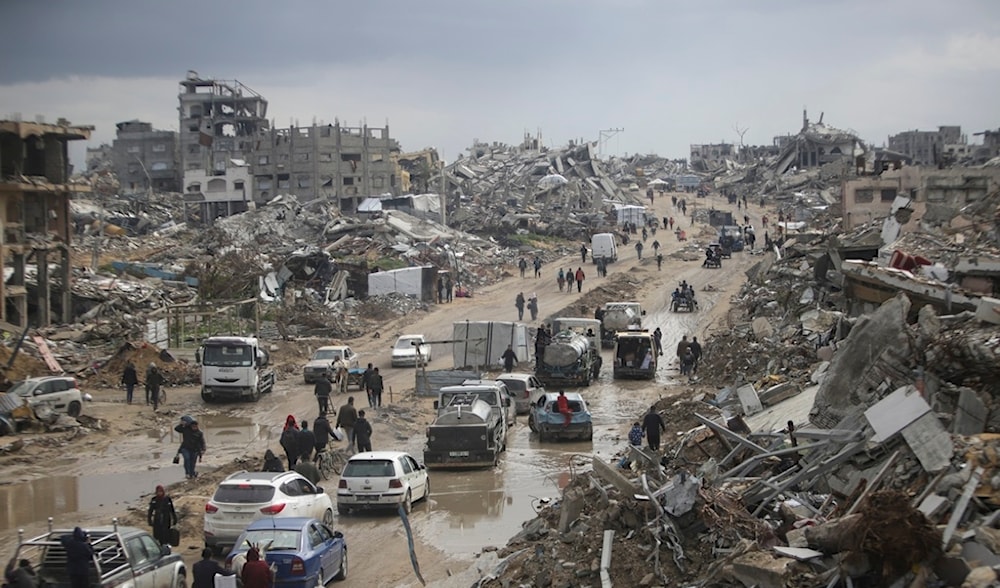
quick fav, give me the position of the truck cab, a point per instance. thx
(635, 355)
(234, 368)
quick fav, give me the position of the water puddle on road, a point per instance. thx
(56, 496)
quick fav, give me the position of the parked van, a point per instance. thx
(603, 245)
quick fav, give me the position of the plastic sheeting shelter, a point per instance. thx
(632, 214)
(419, 282)
(479, 344)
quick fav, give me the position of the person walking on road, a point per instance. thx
(638, 249)
(659, 261)
(522, 265)
(579, 279)
(570, 278)
(289, 441)
(307, 441)
(363, 432)
(671, 223)
(635, 435)
(509, 359)
(129, 380)
(538, 266)
(652, 425)
(154, 380)
(322, 433)
(658, 340)
(533, 307)
(656, 246)
(377, 387)
(682, 346)
(519, 303)
(366, 378)
(161, 515)
(346, 418)
(256, 573)
(192, 445)
(322, 392)
(271, 463)
(561, 279)
(695, 348)
(583, 253)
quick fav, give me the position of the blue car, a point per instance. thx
(307, 552)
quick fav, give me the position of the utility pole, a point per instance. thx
(444, 195)
(603, 136)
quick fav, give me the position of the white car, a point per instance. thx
(404, 352)
(382, 479)
(244, 497)
(321, 363)
(58, 393)
(525, 389)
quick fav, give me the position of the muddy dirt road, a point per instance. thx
(103, 474)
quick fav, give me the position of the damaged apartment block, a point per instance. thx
(219, 123)
(332, 162)
(35, 225)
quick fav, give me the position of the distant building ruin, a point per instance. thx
(145, 159)
(220, 121)
(35, 220)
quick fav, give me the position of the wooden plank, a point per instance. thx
(50, 360)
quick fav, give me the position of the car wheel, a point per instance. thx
(206, 398)
(531, 423)
(408, 503)
(328, 517)
(342, 572)
(180, 581)
(343, 510)
(427, 488)
(74, 409)
(320, 581)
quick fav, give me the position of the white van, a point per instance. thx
(603, 245)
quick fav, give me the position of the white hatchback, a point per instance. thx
(244, 497)
(408, 349)
(382, 479)
(58, 393)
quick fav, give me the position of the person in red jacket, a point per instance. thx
(256, 573)
(562, 403)
(579, 279)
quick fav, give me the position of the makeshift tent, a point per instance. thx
(479, 344)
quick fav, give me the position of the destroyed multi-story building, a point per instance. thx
(98, 158)
(334, 162)
(144, 158)
(931, 195)
(220, 121)
(990, 147)
(35, 190)
(818, 145)
(712, 155)
(929, 147)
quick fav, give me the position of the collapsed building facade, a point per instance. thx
(145, 159)
(219, 123)
(35, 189)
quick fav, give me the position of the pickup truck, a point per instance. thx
(124, 557)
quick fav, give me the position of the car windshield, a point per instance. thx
(21, 388)
(228, 355)
(371, 468)
(327, 354)
(406, 343)
(515, 385)
(487, 396)
(244, 493)
(279, 539)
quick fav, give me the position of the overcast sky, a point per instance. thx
(443, 73)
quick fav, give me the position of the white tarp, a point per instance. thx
(631, 213)
(406, 281)
(480, 344)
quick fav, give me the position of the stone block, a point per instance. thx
(763, 570)
(970, 418)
